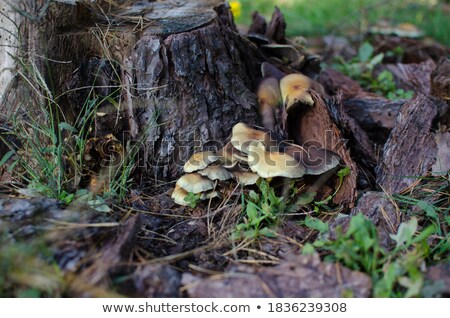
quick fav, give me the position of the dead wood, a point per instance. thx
(314, 126)
(298, 276)
(415, 77)
(411, 149)
(414, 50)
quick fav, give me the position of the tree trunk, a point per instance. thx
(186, 74)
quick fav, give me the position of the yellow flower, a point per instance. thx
(235, 8)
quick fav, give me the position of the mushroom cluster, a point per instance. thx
(249, 155)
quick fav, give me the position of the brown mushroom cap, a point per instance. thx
(199, 161)
(243, 135)
(270, 70)
(286, 53)
(178, 195)
(315, 160)
(295, 88)
(195, 183)
(226, 156)
(273, 164)
(216, 173)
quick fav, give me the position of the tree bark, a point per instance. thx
(418, 144)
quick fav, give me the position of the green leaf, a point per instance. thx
(99, 205)
(365, 51)
(193, 199)
(305, 198)
(376, 60)
(12, 166)
(267, 232)
(429, 209)
(343, 172)
(405, 233)
(66, 126)
(316, 224)
(6, 157)
(252, 211)
(413, 286)
(308, 249)
(253, 196)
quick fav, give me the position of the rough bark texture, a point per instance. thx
(206, 77)
(415, 146)
(315, 126)
(375, 114)
(415, 77)
(351, 129)
(411, 148)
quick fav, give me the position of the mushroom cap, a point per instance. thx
(246, 177)
(216, 173)
(226, 155)
(295, 88)
(195, 183)
(270, 70)
(315, 160)
(199, 161)
(210, 195)
(269, 92)
(273, 164)
(178, 195)
(286, 53)
(242, 135)
(269, 97)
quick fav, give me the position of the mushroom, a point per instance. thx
(199, 161)
(178, 195)
(269, 97)
(270, 70)
(295, 88)
(210, 195)
(246, 177)
(273, 164)
(242, 135)
(286, 53)
(315, 160)
(216, 173)
(226, 155)
(195, 183)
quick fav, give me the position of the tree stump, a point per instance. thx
(186, 75)
(178, 75)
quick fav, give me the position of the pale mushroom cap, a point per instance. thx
(199, 161)
(273, 164)
(246, 177)
(216, 173)
(243, 135)
(315, 160)
(195, 183)
(178, 195)
(295, 88)
(210, 195)
(269, 92)
(269, 97)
